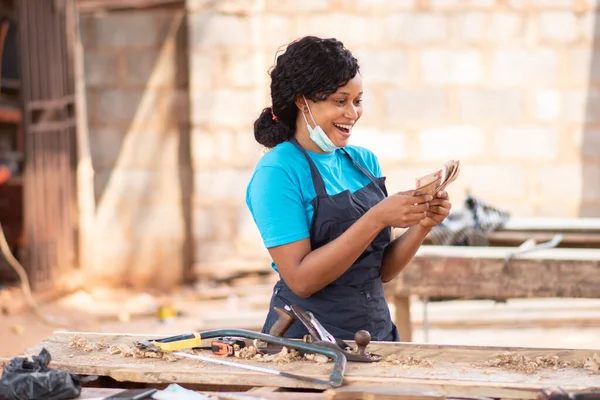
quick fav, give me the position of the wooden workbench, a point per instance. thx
(452, 370)
(481, 272)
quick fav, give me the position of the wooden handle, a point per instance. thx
(284, 321)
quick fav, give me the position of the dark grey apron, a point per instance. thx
(355, 300)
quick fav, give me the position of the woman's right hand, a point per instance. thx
(402, 209)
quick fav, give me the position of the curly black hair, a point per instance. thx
(310, 67)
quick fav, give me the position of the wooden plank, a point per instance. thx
(571, 240)
(552, 224)
(455, 370)
(479, 272)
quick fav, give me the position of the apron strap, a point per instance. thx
(363, 169)
(316, 176)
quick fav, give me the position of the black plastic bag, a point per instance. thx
(469, 226)
(23, 379)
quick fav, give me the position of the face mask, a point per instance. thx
(317, 135)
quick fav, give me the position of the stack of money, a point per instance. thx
(438, 180)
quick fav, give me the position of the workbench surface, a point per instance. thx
(453, 370)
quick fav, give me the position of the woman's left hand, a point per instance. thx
(439, 209)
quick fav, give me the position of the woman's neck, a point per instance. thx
(303, 137)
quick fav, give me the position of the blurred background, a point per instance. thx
(126, 126)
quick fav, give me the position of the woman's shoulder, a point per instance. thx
(364, 156)
(283, 156)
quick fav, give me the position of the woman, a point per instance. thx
(321, 205)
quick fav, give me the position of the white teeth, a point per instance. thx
(344, 126)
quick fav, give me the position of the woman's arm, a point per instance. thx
(306, 271)
(401, 250)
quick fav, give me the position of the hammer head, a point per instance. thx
(147, 345)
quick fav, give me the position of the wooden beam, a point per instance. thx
(454, 370)
(480, 272)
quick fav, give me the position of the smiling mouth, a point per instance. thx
(343, 128)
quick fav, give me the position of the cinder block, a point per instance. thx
(222, 184)
(240, 69)
(545, 4)
(297, 6)
(248, 242)
(494, 181)
(591, 177)
(208, 30)
(490, 104)
(452, 142)
(105, 145)
(117, 105)
(590, 145)
(364, 31)
(277, 30)
(226, 107)
(478, 26)
(385, 5)
(527, 143)
(415, 28)
(583, 66)
(406, 104)
(157, 220)
(548, 104)
(526, 66)
(101, 69)
(150, 68)
(580, 105)
(202, 68)
(550, 21)
(214, 251)
(123, 30)
(387, 145)
(561, 182)
(383, 66)
(203, 222)
(440, 66)
(203, 147)
(221, 6)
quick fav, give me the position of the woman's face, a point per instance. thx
(339, 112)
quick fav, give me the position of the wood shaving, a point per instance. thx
(592, 364)
(408, 361)
(513, 361)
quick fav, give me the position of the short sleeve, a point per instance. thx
(276, 205)
(375, 167)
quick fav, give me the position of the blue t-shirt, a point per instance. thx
(281, 188)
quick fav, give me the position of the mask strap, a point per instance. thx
(311, 116)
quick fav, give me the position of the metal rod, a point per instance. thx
(425, 320)
(252, 368)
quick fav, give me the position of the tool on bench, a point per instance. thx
(172, 343)
(320, 336)
(193, 341)
(556, 239)
(225, 346)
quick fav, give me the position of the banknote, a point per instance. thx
(438, 180)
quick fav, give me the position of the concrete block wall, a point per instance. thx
(138, 109)
(509, 87)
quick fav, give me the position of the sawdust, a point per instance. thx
(124, 350)
(283, 357)
(408, 361)
(513, 361)
(592, 364)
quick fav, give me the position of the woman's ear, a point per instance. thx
(301, 103)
